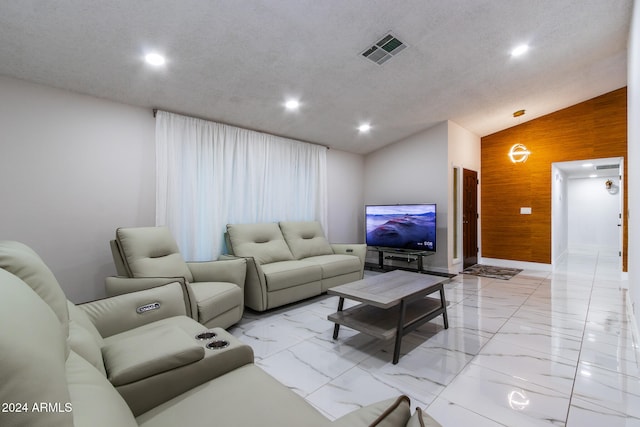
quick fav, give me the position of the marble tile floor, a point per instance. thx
(544, 348)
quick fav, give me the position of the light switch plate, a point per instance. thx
(525, 211)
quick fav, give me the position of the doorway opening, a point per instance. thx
(469, 218)
(586, 209)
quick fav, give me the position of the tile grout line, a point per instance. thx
(480, 350)
(584, 330)
(462, 369)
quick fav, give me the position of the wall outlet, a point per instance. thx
(525, 211)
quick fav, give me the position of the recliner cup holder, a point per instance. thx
(218, 344)
(206, 335)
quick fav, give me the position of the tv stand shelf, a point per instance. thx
(406, 255)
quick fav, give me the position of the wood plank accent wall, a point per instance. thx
(593, 129)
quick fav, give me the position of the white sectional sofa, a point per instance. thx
(110, 363)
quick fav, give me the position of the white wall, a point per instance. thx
(559, 214)
(633, 160)
(413, 170)
(463, 152)
(593, 214)
(72, 169)
(345, 188)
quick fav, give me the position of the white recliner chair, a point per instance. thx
(147, 256)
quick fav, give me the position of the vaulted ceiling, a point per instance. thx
(237, 62)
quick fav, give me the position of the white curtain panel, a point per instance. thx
(211, 174)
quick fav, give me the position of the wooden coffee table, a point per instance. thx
(393, 304)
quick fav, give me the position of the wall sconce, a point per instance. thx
(518, 152)
(611, 187)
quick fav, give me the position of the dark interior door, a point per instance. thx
(469, 217)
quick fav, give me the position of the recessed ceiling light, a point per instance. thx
(593, 175)
(520, 50)
(364, 128)
(154, 59)
(587, 165)
(292, 104)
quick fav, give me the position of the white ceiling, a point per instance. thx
(237, 61)
(593, 168)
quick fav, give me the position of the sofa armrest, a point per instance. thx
(149, 392)
(255, 286)
(124, 312)
(147, 354)
(357, 249)
(387, 413)
(421, 419)
(233, 271)
(118, 285)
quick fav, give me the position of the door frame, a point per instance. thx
(474, 216)
(559, 195)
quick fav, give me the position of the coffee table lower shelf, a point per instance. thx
(389, 323)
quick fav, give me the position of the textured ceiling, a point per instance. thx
(237, 61)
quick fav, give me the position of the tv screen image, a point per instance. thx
(401, 226)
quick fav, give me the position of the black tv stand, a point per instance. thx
(406, 255)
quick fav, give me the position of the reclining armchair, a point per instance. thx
(148, 256)
(141, 342)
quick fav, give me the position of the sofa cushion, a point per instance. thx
(305, 239)
(246, 396)
(133, 358)
(387, 413)
(263, 242)
(335, 265)
(151, 252)
(96, 403)
(215, 298)
(287, 274)
(33, 355)
(20, 260)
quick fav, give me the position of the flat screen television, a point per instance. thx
(408, 227)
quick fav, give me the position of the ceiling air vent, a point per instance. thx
(601, 167)
(384, 49)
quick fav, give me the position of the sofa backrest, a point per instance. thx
(118, 259)
(264, 242)
(47, 383)
(22, 261)
(34, 352)
(305, 238)
(85, 339)
(151, 252)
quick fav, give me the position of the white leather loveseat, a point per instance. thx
(106, 364)
(291, 261)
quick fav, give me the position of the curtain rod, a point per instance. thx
(155, 112)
